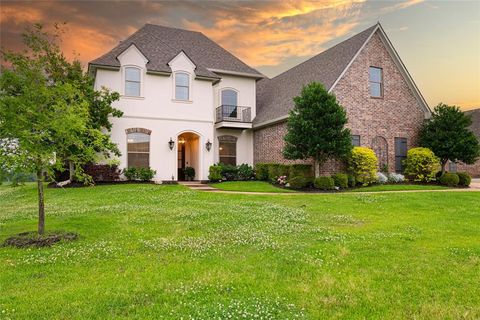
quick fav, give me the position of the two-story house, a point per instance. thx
(186, 102)
(189, 102)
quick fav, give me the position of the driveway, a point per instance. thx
(475, 183)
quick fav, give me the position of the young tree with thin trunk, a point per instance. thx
(44, 113)
(448, 135)
(316, 127)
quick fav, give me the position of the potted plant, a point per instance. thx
(189, 173)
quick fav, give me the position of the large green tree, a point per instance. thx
(448, 135)
(46, 112)
(316, 127)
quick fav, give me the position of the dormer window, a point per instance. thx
(132, 82)
(182, 86)
(376, 82)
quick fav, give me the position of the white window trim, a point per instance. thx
(381, 83)
(190, 87)
(142, 80)
(143, 152)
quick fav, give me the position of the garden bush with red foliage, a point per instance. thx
(102, 172)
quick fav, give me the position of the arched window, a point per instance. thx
(138, 148)
(229, 97)
(182, 86)
(227, 150)
(132, 82)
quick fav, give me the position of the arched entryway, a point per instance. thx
(380, 147)
(188, 154)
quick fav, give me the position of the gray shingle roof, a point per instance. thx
(275, 96)
(161, 44)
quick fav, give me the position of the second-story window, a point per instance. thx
(182, 86)
(229, 97)
(376, 82)
(132, 82)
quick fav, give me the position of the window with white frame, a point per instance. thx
(182, 86)
(138, 150)
(376, 82)
(229, 97)
(227, 150)
(132, 81)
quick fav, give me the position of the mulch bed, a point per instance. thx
(33, 239)
(98, 183)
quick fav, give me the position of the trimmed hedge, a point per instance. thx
(340, 180)
(261, 171)
(324, 183)
(421, 164)
(143, 174)
(273, 171)
(464, 179)
(215, 173)
(450, 179)
(245, 172)
(298, 182)
(363, 165)
(305, 170)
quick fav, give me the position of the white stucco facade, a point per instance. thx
(166, 118)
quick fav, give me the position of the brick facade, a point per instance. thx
(397, 114)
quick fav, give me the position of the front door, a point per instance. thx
(181, 161)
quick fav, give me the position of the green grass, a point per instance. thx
(149, 251)
(397, 187)
(249, 186)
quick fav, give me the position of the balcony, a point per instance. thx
(233, 117)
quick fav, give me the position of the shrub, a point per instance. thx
(324, 183)
(273, 171)
(340, 180)
(189, 173)
(261, 171)
(229, 172)
(351, 181)
(305, 170)
(396, 177)
(450, 179)
(245, 172)
(464, 179)
(284, 170)
(102, 172)
(215, 173)
(298, 182)
(130, 173)
(421, 164)
(282, 180)
(381, 178)
(146, 174)
(363, 165)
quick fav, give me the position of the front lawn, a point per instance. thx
(149, 251)
(249, 186)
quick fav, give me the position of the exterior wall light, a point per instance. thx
(208, 145)
(171, 144)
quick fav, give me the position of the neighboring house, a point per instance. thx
(384, 107)
(189, 102)
(472, 169)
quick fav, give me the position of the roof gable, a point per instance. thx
(275, 96)
(161, 44)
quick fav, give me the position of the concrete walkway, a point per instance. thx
(196, 185)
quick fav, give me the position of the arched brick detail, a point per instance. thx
(138, 130)
(227, 138)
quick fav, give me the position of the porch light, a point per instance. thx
(181, 140)
(208, 145)
(171, 144)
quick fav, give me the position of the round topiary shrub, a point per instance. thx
(298, 182)
(464, 179)
(421, 164)
(363, 165)
(324, 183)
(450, 179)
(340, 180)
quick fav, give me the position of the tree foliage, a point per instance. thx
(316, 127)
(47, 115)
(448, 136)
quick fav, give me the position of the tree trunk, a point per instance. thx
(316, 165)
(41, 203)
(71, 170)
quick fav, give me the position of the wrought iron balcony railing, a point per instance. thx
(233, 113)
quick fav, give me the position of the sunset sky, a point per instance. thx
(439, 41)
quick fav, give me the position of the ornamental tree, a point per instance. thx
(447, 134)
(316, 127)
(45, 116)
